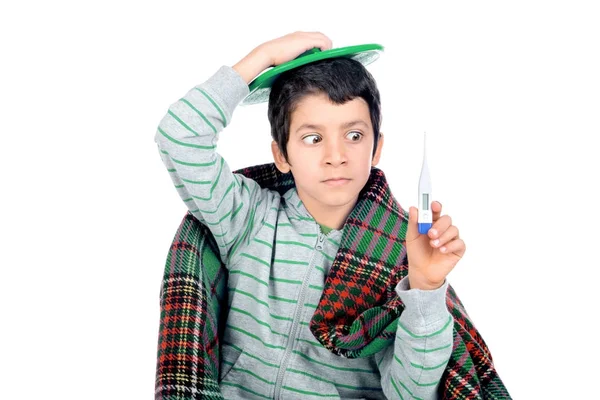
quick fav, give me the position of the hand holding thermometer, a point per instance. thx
(425, 217)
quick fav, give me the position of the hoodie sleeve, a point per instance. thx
(413, 366)
(227, 203)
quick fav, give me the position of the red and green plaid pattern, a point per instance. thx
(357, 315)
(193, 287)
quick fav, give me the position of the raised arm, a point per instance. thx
(187, 136)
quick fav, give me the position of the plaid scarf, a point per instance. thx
(370, 262)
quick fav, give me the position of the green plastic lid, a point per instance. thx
(260, 87)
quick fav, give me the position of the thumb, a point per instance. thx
(413, 230)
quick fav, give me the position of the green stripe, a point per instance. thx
(244, 186)
(286, 281)
(281, 318)
(196, 146)
(310, 393)
(214, 103)
(200, 114)
(333, 366)
(255, 259)
(316, 287)
(251, 355)
(210, 197)
(222, 218)
(318, 378)
(269, 245)
(301, 218)
(237, 271)
(196, 182)
(244, 389)
(193, 164)
(429, 335)
(327, 256)
(313, 235)
(429, 368)
(271, 346)
(317, 344)
(288, 195)
(229, 188)
(431, 350)
(253, 374)
(220, 235)
(320, 269)
(249, 295)
(409, 392)
(338, 244)
(424, 384)
(258, 321)
(236, 211)
(396, 387)
(226, 245)
(250, 226)
(397, 359)
(282, 261)
(171, 113)
(282, 299)
(294, 243)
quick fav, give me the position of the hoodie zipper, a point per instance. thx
(295, 321)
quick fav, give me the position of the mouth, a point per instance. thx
(336, 181)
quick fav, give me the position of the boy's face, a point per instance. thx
(329, 141)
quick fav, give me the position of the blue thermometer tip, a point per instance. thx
(424, 228)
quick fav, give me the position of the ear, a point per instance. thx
(377, 154)
(280, 162)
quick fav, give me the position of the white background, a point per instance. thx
(508, 93)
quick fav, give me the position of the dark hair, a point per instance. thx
(342, 79)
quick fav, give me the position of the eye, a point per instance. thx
(355, 136)
(311, 139)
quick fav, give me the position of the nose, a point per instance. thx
(335, 153)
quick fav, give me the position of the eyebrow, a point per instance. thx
(345, 125)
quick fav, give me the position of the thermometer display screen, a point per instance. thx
(425, 201)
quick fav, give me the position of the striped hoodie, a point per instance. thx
(278, 259)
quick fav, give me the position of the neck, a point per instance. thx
(331, 216)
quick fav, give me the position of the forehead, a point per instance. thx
(318, 109)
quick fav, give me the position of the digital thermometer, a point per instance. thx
(425, 218)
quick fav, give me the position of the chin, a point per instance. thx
(338, 199)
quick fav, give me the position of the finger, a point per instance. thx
(321, 38)
(447, 236)
(456, 247)
(311, 40)
(436, 210)
(318, 34)
(311, 43)
(413, 230)
(440, 226)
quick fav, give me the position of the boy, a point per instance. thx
(278, 249)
